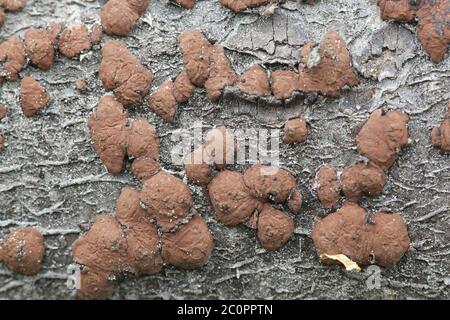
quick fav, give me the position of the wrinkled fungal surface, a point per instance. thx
(382, 241)
(440, 136)
(33, 96)
(22, 250)
(12, 58)
(327, 186)
(382, 136)
(295, 131)
(359, 179)
(119, 16)
(433, 29)
(121, 71)
(74, 40)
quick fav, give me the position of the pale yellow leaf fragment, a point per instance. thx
(349, 264)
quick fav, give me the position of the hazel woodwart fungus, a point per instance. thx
(33, 96)
(440, 136)
(22, 250)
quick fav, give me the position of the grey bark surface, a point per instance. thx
(51, 178)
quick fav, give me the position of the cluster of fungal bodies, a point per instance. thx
(383, 237)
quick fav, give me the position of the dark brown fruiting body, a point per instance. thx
(295, 131)
(382, 136)
(118, 17)
(254, 81)
(190, 246)
(383, 241)
(121, 71)
(433, 29)
(33, 96)
(240, 5)
(440, 136)
(167, 198)
(362, 179)
(327, 186)
(274, 228)
(12, 54)
(162, 102)
(74, 40)
(22, 250)
(39, 48)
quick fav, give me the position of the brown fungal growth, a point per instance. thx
(359, 179)
(126, 242)
(167, 198)
(231, 199)
(383, 241)
(113, 139)
(12, 54)
(440, 136)
(382, 136)
(22, 250)
(13, 5)
(162, 101)
(433, 28)
(327, 186)
(284, 83)
(39, 47)
(33, 96)
(241, 5)
(74, 40)
(190, 246)
(107, 126)
(196, 51)
(221, 73)
(332, 71)
(2, 143)
(188, 4)
(81, 85)
(183, 87)
(216, 152)
(118, 17)
(295, 131)
(121, 71)
(254, 81)
(131, 242)
(2, 17)
(274, 228)
(237, 198)
(2, 111)
(96, 33)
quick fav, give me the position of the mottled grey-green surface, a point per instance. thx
(51, 178)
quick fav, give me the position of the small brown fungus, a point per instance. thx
(221, 73)
(254, 81)
(167, 198)
(196, 51)
(107, 126)
(382, 136)
(162, 101)
(190, 246)
(12, 54)
(284, 83)
(2, 111)
(33, 96)
(295, 131)
(39, 48)
(327, 186)
(121, 71)
(22, 250)
(440, 136)
(96, 33)
(216, 152)
(188, 4)
(238, 198)
(433, 28)
(328, 70)
(274, 228)
(113, 139)
(383, 241)
(118, 17)
(81, 85)
(13, 5)
(182, 87)
(360, 179)
(231, 199)
(74, 40)
(241, 5)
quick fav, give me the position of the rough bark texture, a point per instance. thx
(51, 177)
